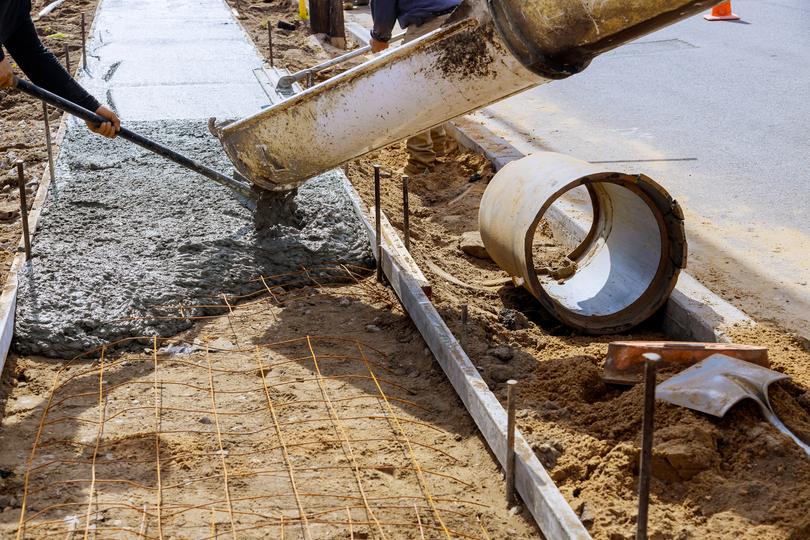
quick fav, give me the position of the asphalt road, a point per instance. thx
(722, 109)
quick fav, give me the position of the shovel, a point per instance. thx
(718, 383)
(242, 189)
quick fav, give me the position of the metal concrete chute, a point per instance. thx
(556, 38)
(488, 51)
(626, 266)
(447, 73)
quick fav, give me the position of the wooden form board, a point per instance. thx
(549, 508)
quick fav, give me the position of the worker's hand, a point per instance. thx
(107, 129)
(377, 45)
(6, 73)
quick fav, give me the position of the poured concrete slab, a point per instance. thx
(125, 233)
(154, 60)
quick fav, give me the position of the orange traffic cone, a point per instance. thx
(722, 12)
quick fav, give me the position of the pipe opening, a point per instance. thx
(616, 272)
(615, 264)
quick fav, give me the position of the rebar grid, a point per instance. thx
(300, 438)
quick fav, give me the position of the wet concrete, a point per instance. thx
(159, 60)
(125, 232)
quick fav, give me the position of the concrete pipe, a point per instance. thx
(627, 265)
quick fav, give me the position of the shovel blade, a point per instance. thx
(717, 383)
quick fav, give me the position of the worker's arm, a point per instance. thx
(384, 13)
(44, 70)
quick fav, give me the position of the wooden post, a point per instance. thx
(319, 16)
(337, 27)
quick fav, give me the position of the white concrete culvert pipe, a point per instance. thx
(627, 265)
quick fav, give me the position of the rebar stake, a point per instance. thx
(465, 312)
(23, 208)
(510, 441)
(84, 44)
(645, 465)
(270, 42)
(67, 59)
(377, 222)
(406, 212)
(48, 139)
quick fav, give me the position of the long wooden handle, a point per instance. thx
(78, 111)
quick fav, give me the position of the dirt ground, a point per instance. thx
(735, 477)
(248, 421)
(22, 127)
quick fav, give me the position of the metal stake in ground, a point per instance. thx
(377, 222)
(650, 370)
(270, 42)
(67, 58)
(510, 441)
(84, 44)
(406, 212)
(465, 312)
(48, 138)
(23, 208)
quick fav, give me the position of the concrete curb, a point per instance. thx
(693, 313)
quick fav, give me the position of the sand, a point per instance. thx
(414, 457)
(735, 477)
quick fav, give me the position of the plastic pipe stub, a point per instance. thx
(626, 266)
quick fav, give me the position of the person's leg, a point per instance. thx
(438, 137)
(421, 155)
(425, 147)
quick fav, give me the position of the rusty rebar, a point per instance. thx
(24, 208)
(387, 515)
(465, 314)
(510, 441)
(378, 223)
(406, 211)
(48, 142)
(67, 59)
(645, 464)
(270, 43)
(84, 43)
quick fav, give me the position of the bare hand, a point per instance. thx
(6, 73)
(107, 129)
(377, 45)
